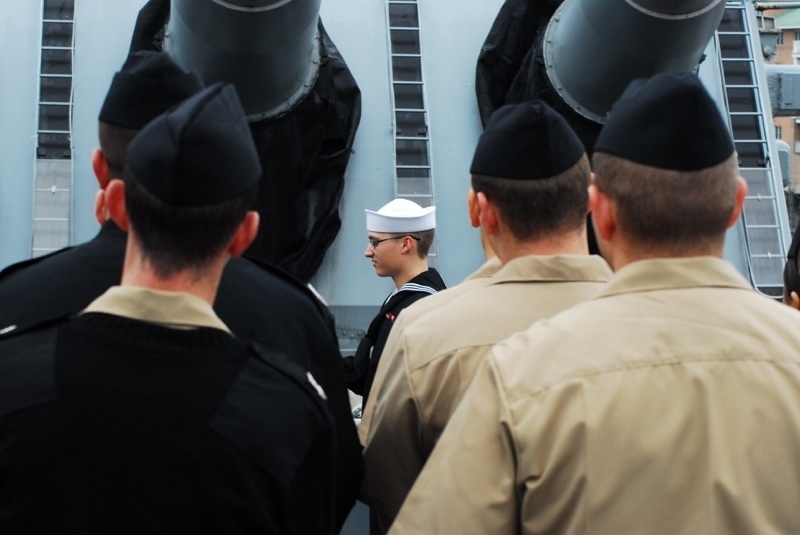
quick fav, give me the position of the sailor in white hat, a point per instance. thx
(400, 216)
(400, 235)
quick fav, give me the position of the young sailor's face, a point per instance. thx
(384, 251)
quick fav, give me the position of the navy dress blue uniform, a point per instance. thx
(408, 268)
(255, 300)
(112, 424)
(360, 368)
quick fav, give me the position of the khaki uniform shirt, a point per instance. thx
(476, 280)
(180, 310)
(432, 362)
(669, 404)
(420, 308)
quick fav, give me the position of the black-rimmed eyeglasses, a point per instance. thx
(375, 242)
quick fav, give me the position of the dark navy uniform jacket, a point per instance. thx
(110, 424)
(255, 300)
(359, 370)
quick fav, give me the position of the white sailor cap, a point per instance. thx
(401, 215)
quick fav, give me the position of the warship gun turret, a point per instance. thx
(581, 54)
(302, 104)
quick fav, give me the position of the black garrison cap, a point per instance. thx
(148, 84)
(200, 154)
(527, 141)
(667, 121)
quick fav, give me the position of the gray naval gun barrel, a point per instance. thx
(301, 100)
(268, 49)
(593, 48)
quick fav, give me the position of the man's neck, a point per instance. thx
(410, 272)
(137, 271)
(624, 254)
(181, 282)
(567, 243)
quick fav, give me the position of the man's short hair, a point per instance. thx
(660, 208)
(178, 238)
(424, 242)
(114, 141)
(424, 239)
(534, 209)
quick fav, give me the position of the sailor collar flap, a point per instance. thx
(429, 282)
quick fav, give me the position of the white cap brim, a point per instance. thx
(406, 219)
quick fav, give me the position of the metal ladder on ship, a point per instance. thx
(764, 218)
(413, 177)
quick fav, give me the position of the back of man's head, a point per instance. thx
(191, 177)
(666, 159)
(532, 166)
(147, 85)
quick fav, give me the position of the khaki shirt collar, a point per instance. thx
(674, 273)
(170, 309)
(489, 268)
(554, 268)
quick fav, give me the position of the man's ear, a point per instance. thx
(245, 234)
(100, 167)
(407, 245)
(741, 194)
(603, 214)
(100, 211)
(115, 203)
(487, 214)
(474, 211)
